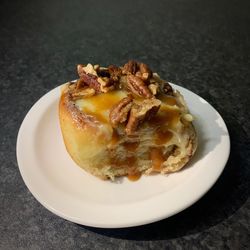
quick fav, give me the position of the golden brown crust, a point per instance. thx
(78, 129)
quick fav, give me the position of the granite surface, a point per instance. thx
(201, 45)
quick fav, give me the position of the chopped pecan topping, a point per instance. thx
(156, 77)
(138, 74)
(119, 113)
(88, 77)
(115, 72)
(153, 88)
(72, 86)
(79, 83)
(89, 69)
(104, 81)
(138, 86)
(96, 66)
(83, 93)
(140, 113)
(106, 84)
(91, 81)
(146, 72)
(167, 89)
(134, 76)
(80, 69)
(99, 78)
(130, 67)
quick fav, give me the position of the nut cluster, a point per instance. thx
(142, 84)
(133, 112)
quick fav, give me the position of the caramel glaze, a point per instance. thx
(165, 116)
(101, 103)
(104, 101)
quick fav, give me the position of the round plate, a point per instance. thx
(73, 194)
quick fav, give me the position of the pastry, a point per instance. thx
(125, 121)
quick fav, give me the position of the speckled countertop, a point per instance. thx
(201, 45)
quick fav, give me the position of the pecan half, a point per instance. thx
(138, 87)
(119, 112)
(141, 112)
(130, 67)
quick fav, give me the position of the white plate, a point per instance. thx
(71, 193)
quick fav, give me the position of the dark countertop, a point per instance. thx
(201, 45)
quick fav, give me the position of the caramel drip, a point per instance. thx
(128, 161)
(134, 177)
(157, 158)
